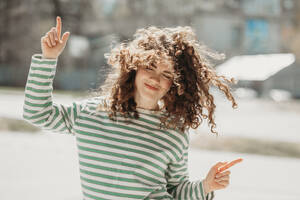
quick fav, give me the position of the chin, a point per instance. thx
(149, 95)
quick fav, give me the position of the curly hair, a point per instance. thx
(189, 98)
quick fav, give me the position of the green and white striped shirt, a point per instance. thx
(123, 159)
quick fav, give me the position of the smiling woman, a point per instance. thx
(130, 146)
(167, 67)
(151, 84)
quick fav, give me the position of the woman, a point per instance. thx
(133, 144)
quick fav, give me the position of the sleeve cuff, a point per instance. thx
(38, 58)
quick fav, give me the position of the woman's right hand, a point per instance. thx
(52, 44)
(217, 178)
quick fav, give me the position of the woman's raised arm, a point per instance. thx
(38, 108)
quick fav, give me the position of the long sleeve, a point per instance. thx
(38, 108)
(179, 185)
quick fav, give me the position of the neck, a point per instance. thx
(154, 108)
(145, 104)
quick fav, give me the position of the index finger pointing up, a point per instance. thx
(58, 27)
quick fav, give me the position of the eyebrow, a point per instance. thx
(168, 72)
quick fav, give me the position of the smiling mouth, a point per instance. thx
(151, 87)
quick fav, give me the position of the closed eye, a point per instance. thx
(149, 68)
(166, 76)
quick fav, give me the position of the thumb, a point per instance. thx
(65, 37)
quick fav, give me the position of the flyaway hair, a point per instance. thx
(189, 98)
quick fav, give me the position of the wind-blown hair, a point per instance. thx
(189, 97)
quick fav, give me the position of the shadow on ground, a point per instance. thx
(201, 141)
(247, 145)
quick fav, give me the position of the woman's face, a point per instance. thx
(153, 82)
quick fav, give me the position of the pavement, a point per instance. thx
(45, 166)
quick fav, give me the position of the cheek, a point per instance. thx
(141, 75)
(166, 85)
(138, 76)
(139, 79)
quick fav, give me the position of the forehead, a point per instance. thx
(165, 65)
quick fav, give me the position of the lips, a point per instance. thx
(151, 87)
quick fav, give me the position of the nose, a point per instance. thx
(155, 77)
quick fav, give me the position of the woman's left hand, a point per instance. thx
(216, 180)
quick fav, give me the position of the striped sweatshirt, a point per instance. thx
(126, 158)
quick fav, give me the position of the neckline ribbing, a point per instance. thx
(142, 110)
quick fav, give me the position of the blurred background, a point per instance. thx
(261, 41)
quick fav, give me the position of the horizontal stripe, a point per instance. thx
(47, 104)
(107, 176)
(122, 148)
(39, 83)
(37, 116)
(43, 62)
(122, 156)
(133, 166)
(131, 142)
(112, 193)
(42, 69)
(41, 76)
(116, 185)
(25, 110)
(40, 98)
(39, 90)
(139, 160)
(93, 197)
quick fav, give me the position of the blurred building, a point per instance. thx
(233, 27)
(246, 27)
